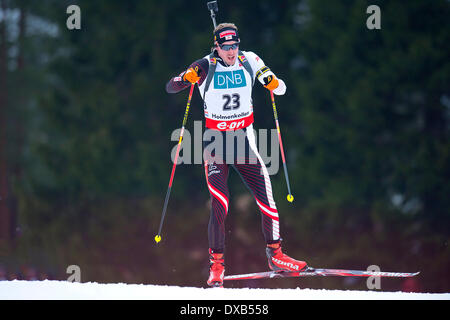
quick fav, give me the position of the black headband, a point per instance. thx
(226, 34)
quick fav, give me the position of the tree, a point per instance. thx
(372, 118)
(5, 213)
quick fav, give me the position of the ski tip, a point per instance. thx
(157, 238)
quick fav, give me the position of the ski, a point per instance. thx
(319, 272)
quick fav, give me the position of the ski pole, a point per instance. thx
(213, 7)
(166, 200)
(289, 197)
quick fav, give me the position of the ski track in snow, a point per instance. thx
(63, 290)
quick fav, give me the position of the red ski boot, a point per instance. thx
(278, 261)
(216, 269)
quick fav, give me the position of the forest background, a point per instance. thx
(85, 148)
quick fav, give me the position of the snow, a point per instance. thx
(64, 290)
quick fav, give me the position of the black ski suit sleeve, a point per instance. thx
(177, 84)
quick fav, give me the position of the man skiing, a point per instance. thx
(225, 79)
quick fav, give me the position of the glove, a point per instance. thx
(271, 82)
(191, 75)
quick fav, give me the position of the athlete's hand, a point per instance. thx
(271, 82)
(191, 75)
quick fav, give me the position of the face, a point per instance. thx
(229, 56)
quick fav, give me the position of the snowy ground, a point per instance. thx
(63, 290)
